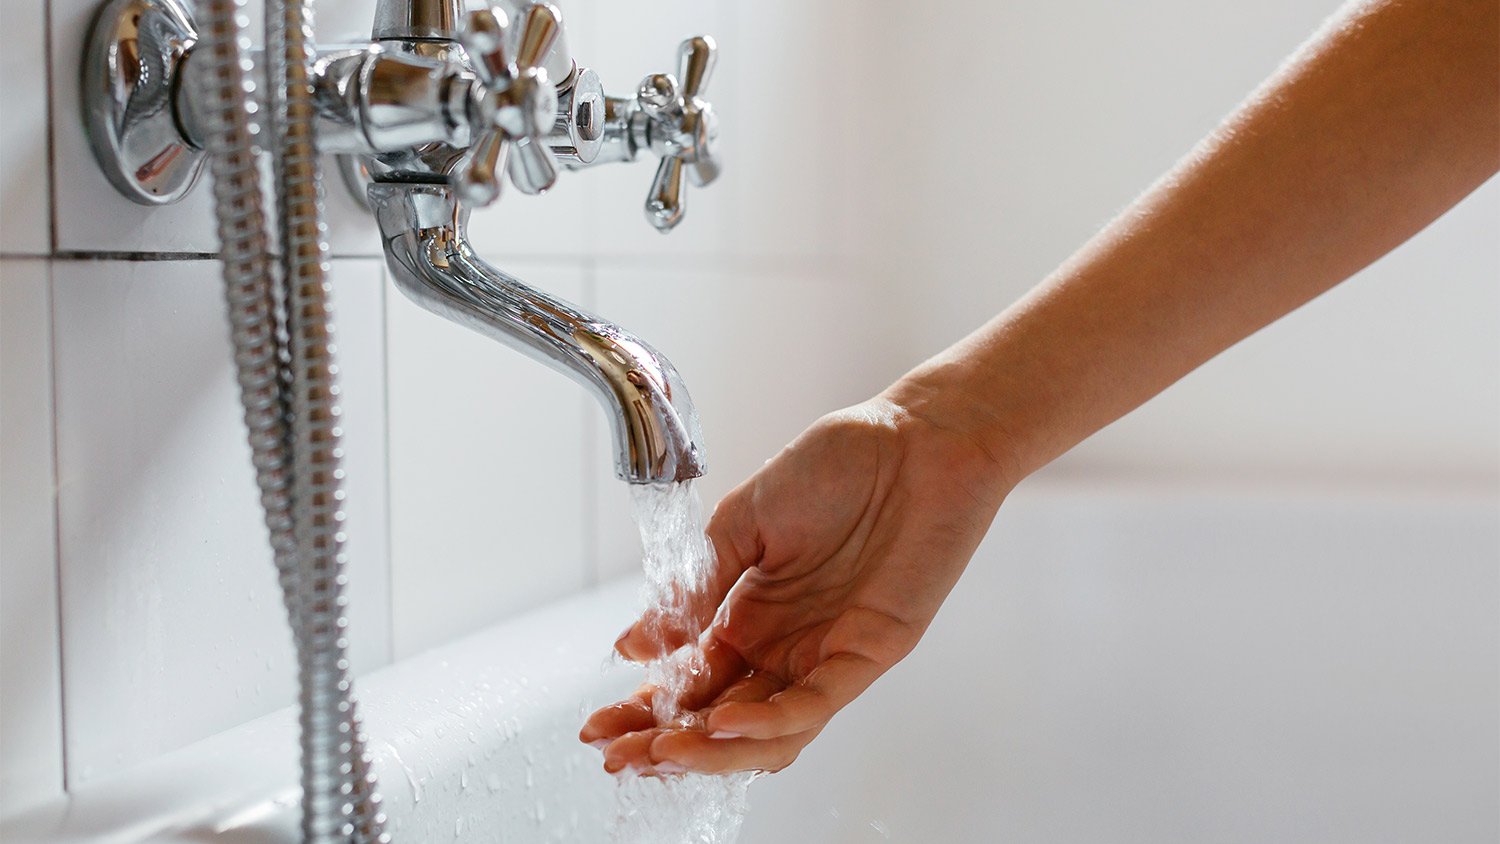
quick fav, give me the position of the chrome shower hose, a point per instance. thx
(288, 386)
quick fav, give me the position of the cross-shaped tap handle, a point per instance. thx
(517, 107)
(684, 130)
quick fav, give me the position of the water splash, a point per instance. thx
(690, 809)
(678, 559)
(687, 809)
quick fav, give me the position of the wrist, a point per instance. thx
(943, 400)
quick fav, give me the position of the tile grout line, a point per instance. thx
(390, 546)
(48, 75)
(57, 539)
(830, 265)
(145, 256)
(49, 88)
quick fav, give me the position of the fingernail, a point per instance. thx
(724, 734)
(599, 744)
(667, 766)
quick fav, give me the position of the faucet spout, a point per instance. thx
(654, 423)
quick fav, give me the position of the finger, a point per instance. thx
(611, 722)
(716, 668)
(736, 546)
(651, 637)
(802, 706)
(646, 752)
(676, 751)
(631, 752)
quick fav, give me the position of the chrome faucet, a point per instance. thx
(430, 118)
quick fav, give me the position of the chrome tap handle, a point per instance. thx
(532, 167)
(516, 106)
(696, 60)
(478, 180)
(541, 26)
(664, 205)
(483, 39)
(683, 130)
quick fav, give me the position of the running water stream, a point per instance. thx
(690, 808)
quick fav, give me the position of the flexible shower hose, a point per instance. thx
(289, 390)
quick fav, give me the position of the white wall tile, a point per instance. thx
(762, 354)
(789, 139)
(553, 225)
(92, 216)
(487, 466)
(172, 618)
(1396, 370)
(31, 748)
(25, 207)
(1083, 105)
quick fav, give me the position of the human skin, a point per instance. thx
(835, 556)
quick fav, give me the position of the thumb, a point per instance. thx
(734, 547)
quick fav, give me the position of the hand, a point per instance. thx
(832, 561)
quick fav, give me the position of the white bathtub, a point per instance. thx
(1130, 663)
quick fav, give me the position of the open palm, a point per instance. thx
(832, 561)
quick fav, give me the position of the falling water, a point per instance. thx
(691, 809)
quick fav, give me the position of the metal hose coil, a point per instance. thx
(340, 802)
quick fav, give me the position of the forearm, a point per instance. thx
(1379, 125)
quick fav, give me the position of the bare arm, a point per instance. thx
(1383, 121)
(835, 556)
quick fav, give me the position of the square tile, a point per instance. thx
(488, 512)
(31, 746)
(552, 226)
(790, 139)
(25, 206)
(172, 617)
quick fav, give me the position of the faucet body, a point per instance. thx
(653, 421)
(430, 118)
(418, 194)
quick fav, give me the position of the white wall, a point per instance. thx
(1060, 114)
(891, 180)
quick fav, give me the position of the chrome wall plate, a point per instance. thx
(129, 67)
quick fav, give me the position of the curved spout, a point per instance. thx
(655, 425)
